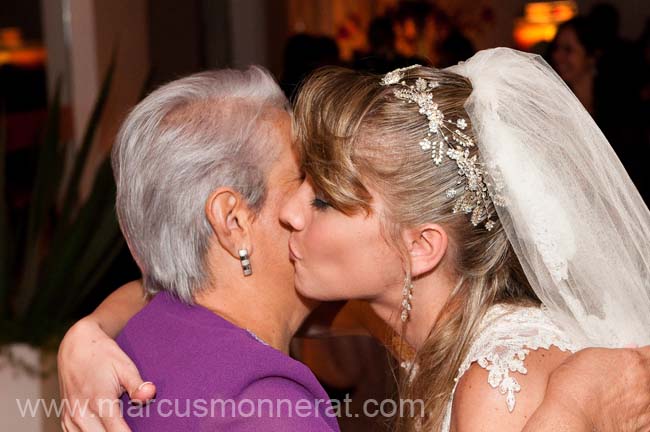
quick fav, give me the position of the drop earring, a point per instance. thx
(407, 295)
(245, 262)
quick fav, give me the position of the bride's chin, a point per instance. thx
(303, 288)
(312, 291)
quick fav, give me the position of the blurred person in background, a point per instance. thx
(412, 38)
(450, 45)
(574, 57)
(426, 31)
(603, 73)
(381, 55)
(303, 54)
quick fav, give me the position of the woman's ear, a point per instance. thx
(427, 246)
(230, 219)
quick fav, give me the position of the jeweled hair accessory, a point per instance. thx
(446, 138)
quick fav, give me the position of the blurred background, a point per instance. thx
(71, 69)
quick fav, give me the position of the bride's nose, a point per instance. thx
(292, 212)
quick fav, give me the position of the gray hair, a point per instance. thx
(183, 141)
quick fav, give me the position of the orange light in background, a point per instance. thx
(527, 34)
(11, 37)
(14, 50)
(550, 12)
(541, 20)
(25, 57)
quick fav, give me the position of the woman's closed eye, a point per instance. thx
(320, 204)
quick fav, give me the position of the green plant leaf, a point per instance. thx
(71, 194)
(87, 250)
(67, 256)
(58, 266)
(72, 230)
(41, 203)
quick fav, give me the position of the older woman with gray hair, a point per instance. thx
(203, 166)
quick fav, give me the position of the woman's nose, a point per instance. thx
(291, 213)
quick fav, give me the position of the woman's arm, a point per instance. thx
(119, 307)
(94, 371)
(554, 416)
(597, 390)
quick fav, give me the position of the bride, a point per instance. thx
(479, 210)
(482, 214)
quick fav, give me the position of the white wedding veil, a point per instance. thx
(577, 223)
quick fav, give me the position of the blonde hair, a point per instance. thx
(355, 134)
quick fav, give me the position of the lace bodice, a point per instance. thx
(506, 336)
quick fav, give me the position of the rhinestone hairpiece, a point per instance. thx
(446, 138)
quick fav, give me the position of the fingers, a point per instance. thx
(88, 423)
(90, 375)
(81, 417)
(144, 393)
(644, 351)
(103, 416)
(636, 371)
(138, 390)
(115, 422)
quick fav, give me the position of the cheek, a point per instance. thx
(576, 56)
(347, 262)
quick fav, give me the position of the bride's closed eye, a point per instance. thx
(320, 204)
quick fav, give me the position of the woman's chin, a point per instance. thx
(314, 291)
(311, 294)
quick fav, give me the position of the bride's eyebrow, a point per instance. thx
(302, 174)
(299, 178)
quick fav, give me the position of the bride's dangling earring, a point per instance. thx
(407, 295)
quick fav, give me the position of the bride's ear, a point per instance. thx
(426, 246)
(230, 219)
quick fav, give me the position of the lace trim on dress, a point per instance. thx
(506, 336)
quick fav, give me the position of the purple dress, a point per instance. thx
(212, 375)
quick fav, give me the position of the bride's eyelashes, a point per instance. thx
(320, 204)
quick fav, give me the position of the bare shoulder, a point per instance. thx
(477, 406)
